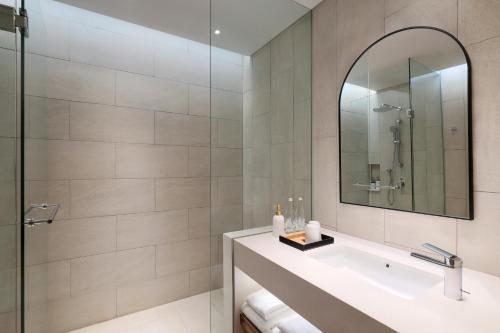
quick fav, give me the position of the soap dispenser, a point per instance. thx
(278, 222)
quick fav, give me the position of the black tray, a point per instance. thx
(325, 240)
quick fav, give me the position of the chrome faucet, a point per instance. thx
(452, 270)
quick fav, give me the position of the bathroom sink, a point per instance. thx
(399, 279)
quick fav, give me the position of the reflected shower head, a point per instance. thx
(387, 107)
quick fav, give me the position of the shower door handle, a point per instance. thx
(50, 209)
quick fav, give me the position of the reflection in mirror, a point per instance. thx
(404, 125)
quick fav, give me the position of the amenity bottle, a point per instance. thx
(278, 222)
(289, 217)
(300, 218)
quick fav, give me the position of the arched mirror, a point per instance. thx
(405, 125)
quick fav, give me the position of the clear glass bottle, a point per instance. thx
(300, 217)
(289, 217)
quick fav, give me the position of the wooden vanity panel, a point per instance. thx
(323, 310)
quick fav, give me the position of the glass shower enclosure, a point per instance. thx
(131, 139)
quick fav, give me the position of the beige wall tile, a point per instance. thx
(392, 6)
(199, 222)
(456, 173)
(111, 196)
(199, 281)
(104, 48)
(412, 230)
(54, 191)
(55, 159)
(179, 193)
(107, 271)
(54, 78)
(47, 282)
(137, 230)
(478, 240)
(8, 321)
(146, 294)
(183, 60)
(8, 290)
(182, 256)
(324, 17)
(47, 118)
(7, 246)
(199, 162)
(435, 13)
(151, 161)
(324, 189)
(363, 222)
(282, 107)
(227, 162)
(144, 92)
(71, 313)
(50, 35)
(226, 75)
(230, 133)
(485, 77)
(229, 191)
(226, 219)
(95, 122)
(71, 239)
(8, 208)
(478, 20)
(175, 129)
(226, 105)
(199, 101)
(8, 158)
(352, 39)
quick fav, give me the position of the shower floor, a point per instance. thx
(188, 315)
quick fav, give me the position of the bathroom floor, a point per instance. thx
(188, 315)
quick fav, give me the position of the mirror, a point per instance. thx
(405, 140)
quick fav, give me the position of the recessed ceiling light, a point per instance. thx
(217, 31)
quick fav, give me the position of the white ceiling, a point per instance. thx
(246, 25)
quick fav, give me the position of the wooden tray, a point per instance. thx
(247, 326)
(298, 241)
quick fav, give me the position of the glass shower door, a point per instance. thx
(427, 139)
(9, 194)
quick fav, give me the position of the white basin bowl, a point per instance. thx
(399, 279)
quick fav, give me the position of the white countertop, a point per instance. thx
(478, 312)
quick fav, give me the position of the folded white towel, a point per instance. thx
(265, 304)
(296, 324)
(265, 326)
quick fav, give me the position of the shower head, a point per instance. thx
(387, 107)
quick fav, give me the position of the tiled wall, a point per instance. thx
(119, 134)
(277, 124)
(336, 44)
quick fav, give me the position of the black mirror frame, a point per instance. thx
(469, 125)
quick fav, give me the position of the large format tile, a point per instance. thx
(324, 32)
(199, 222)
(109, 270)
(183, 60)
(182, 256)
(412, 230)
(199, 101)
(392, 6)
(54, 78)
(55, 159)
(151, 161)
(47, 118)
(71, 239)
(52, 192)
(111, 196)
(145, 92)
(324, 189)
(479, 239)
(100, 47)
(359, 23)
(199, 162)
(478, 20)
(363, 222)
(227, 162)
(7, 246)
(486, 140)
(137, 230)
(145, 294)
(435, 13)
(175, 129)
(226, 105)
(49, 35)
(95, 122)
(47, 282)
(179, 193)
